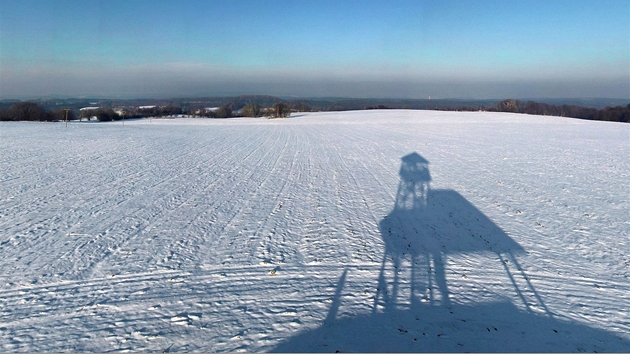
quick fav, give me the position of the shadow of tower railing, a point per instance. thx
(424, 228)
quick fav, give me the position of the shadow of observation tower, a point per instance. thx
(413, 309)
(427, 225)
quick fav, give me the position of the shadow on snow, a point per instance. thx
(424, 227)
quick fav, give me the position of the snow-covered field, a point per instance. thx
(355, 231)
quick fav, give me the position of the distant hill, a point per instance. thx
(598, 103)
(610, 109)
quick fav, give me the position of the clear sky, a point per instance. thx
(411, 49)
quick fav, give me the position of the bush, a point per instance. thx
(269, 112)
(223, 112)
(107, 115)
(507, 106)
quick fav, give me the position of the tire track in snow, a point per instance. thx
(109, 225)
(182, 236)
(256, 228)
(175, 304)
(183, 246)
(163, 300)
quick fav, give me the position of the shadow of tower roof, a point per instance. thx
(451, 224)
(414, 158)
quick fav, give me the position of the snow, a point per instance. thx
(386, 230)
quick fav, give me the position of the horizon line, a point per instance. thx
(290, 97)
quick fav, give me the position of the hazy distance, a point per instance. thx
(403, 49)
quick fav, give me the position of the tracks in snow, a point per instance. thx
(249, 224)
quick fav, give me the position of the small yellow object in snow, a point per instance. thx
(272, 272)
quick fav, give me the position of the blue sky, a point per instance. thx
(412, 49)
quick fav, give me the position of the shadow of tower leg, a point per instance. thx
(381, 291)
(334, 308)
(429, 280)
(412, 283)
(440, 278)
(529, 284)
(394, 297)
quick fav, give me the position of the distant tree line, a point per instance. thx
(254, 106)
(162, 111)
(278, 110)
(29, 111)
(380, 106)
(108, 114)
(220, 112)
(252, 110)
(102, 114)
(613, 114)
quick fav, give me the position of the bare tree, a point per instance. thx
(27, 111)
(303, 107)
(251, 110)
(269, 112)
(281, 110)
